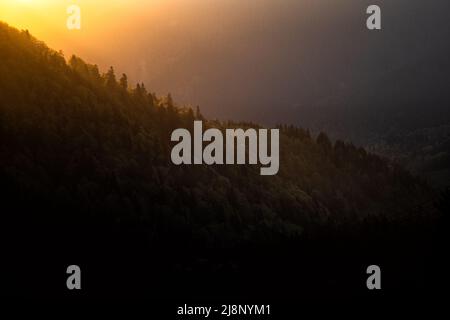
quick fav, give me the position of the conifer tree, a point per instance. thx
(124, 81)
(111, 78)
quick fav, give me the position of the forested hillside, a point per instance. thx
(425, 152)
(84, 149)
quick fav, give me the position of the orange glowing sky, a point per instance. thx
(140, 37)
(102, 21)
(288, 59)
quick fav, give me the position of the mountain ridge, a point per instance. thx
(86, 176)
(76, 107)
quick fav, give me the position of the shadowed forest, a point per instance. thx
(86, 178)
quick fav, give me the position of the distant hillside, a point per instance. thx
(425, 152)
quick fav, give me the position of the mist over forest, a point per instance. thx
(304, 62)
(309, 63)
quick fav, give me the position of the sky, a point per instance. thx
(306, 62)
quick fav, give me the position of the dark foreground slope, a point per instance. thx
(86, 178)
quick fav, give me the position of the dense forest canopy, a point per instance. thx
(86, 144)
(86, 176)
